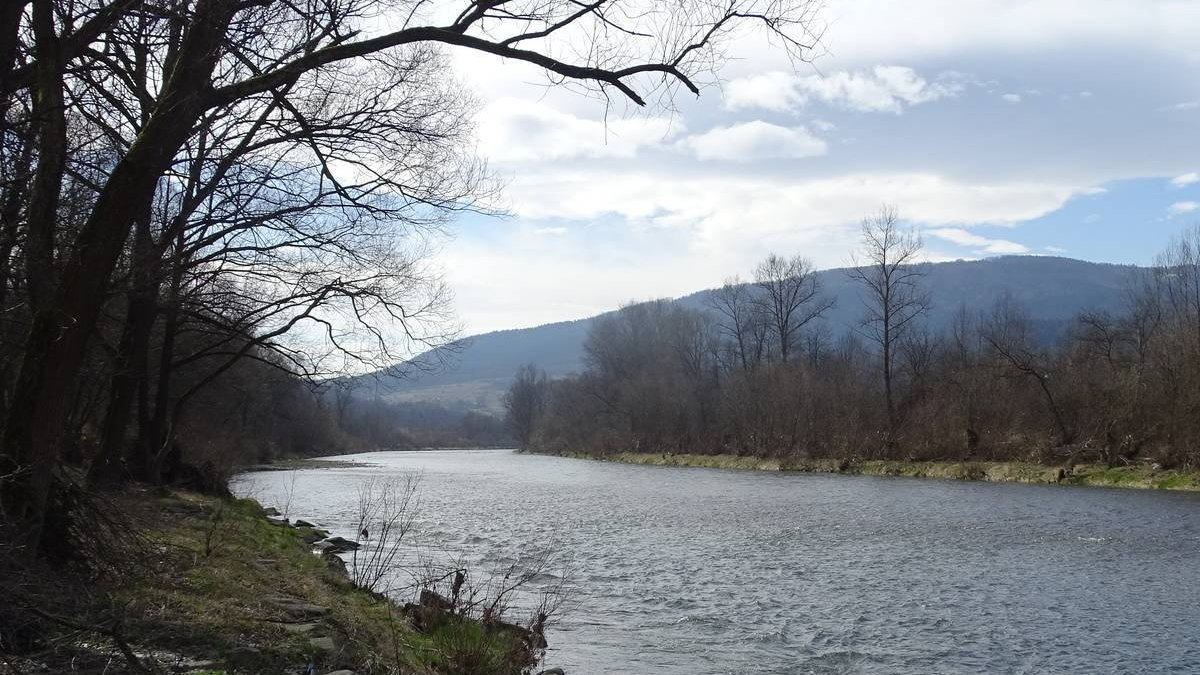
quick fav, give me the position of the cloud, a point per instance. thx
(723, 209)
(513, 130)
(1180, 208)
(654, 234)
(1186, 105)
(880, 89)
(1011, 98)
(775, 90)
(1057, 250)
(979, 244)
(885, 30)
(1185, 179)
(752, 141)
(551, 231)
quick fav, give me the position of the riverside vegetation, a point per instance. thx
(186, 583)
(1137, 476)
(749, 383)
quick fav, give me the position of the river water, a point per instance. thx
(700, 571)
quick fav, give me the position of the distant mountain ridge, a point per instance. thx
(1054, 290)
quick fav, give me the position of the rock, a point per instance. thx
(279, 521)
(299, 628)
(311, 537)
(324, 644)
(336, 545)
(335, 563)
(341, 672)
(429, 611)
(553, 671)
(433, 599)
(271, 511)
(530, 638)
(304, 523)
(296, 610)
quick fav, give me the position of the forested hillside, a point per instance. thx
(1053, 290)
(751, 369)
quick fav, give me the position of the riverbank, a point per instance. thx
(203, 585)
(1139, 477)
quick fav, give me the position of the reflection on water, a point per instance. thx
(699, 571)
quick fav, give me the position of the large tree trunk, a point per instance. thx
(59, 334)
(157, 429)
(130, 367)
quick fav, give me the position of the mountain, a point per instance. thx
(1054, 290)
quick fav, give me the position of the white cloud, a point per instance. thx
(881, 89)
(1186, 105)
(654, 234)
(1011, 98)
(886, 30)
(1180, 208)
(552, 231)
(513, 130)
(1186, 179)
(754, 140)
(775, 90)
(978, 243)
(1057, 250)
(723, 207)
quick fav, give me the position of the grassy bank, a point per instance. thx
(214, 587)
(1143, 477)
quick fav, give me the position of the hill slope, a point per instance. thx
(1054, 289)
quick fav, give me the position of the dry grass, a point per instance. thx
(212, 583)
(1137, 476)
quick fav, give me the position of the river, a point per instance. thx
(676, 571)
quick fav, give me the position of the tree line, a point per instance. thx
(752, 374)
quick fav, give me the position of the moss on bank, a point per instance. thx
(214, 587)
(1144, 477)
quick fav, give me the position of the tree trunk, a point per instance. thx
(156, 429)
(59, 333)
(129, 370)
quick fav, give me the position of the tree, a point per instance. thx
(790, 298)
(740, 322)
(892, 279)
(219, 58)
(524, 403)
(1009, 333)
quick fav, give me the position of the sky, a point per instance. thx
(1045, 127)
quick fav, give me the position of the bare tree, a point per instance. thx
(524, 403)
(1009, 332)
(963, 372)
(739, 322)
(892, 277)
(222, 58)
(790, 298)
(387, 512)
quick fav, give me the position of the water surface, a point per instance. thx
(700, 571)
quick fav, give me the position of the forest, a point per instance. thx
(749, 375)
